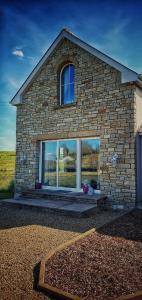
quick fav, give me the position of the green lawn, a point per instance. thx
(7, 173)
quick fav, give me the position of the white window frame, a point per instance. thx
(61, 71)
(40, 162)
(78, 164)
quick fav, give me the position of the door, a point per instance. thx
(90, 169)
(67, 164)
(59, 164)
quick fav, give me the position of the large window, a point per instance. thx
(69, 164)
(67, 84)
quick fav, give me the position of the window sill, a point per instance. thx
(65, 105)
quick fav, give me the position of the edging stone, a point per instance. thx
(134, 296)
(50, 288)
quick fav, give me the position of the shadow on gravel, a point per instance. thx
(35, 283)
(36, 276)
(128, 226)
(12, 216)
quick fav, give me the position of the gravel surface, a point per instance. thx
(26, 236)
(104, 265)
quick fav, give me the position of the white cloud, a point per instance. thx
(21, 55)
(18, 53)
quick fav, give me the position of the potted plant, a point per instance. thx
(93, 184)
(85, 186)
(38, 185)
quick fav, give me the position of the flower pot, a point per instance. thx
(38, 185)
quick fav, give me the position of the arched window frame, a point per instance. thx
(61, 71)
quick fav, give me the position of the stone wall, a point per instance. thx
(104, 107)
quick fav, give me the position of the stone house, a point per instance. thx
(79, 118)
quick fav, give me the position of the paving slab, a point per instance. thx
(60, 206)
(80, 207)
(39, 202)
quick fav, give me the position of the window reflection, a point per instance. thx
(49, 163)
(90, 149)
(67, 163)
(60, 167)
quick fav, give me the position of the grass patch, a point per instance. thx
(5, 195)
(7, 174)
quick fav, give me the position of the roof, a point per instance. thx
(127, 75)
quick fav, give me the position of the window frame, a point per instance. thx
(78, 162)
(61, 71)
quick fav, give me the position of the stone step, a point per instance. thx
(76, 197)
(54, 206)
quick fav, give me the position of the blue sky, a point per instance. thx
(29, 27)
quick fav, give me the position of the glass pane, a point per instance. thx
(49, 163)
(90, 149)
(71, 74)
(65, 94)
(71, 97)
(67, 164)
(66, 75)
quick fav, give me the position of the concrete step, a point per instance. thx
(54, 206)
(97, 199)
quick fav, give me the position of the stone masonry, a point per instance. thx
(104, 107)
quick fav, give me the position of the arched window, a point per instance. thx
(67, 84)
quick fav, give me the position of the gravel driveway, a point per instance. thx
(26, 236)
